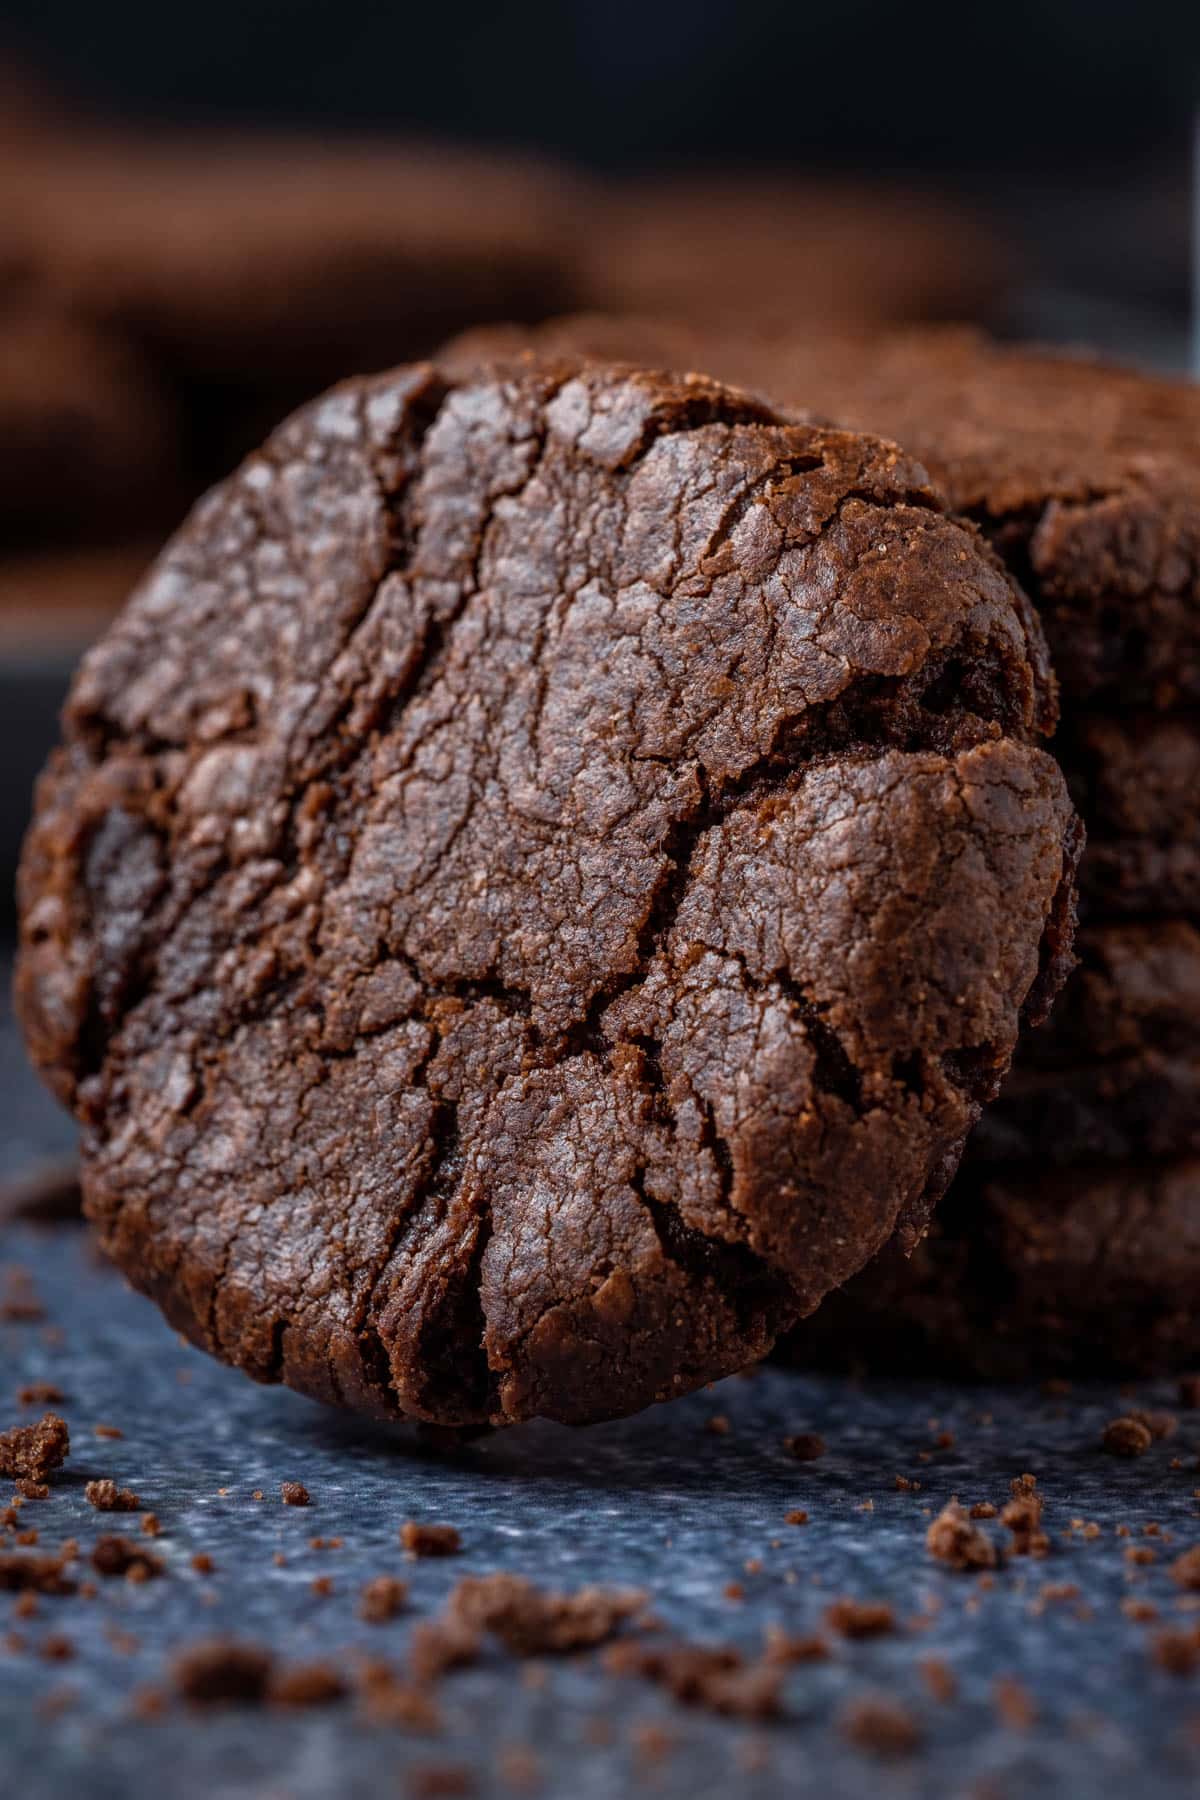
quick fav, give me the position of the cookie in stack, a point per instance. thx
(1072, 1238)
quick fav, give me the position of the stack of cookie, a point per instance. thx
(1072, 1237)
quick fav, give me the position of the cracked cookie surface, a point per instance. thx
(537, 886)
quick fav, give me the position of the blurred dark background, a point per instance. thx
(959, 87)
(1069, 119)
(208, 214)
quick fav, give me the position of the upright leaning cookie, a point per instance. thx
(537, 886)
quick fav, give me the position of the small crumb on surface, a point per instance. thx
(1126, 1436)
(429, 1540)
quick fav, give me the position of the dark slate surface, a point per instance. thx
(656, 1501)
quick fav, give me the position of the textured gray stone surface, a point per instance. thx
(657, 1501)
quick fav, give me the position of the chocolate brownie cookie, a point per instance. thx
(270, 262)
(87, 438)
(1136, 779)
(1058, 1272)
(1115, 1073)
(752, 249)
(1085, 476)
(536, 888)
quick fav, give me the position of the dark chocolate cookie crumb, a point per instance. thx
(436, 1646)
(715, 1678)
(952, 1539)
(860, 1618)
(441, 1781)
(1022, 1515)
(1160, 1425)
(881, 1726)
(780, 1646)
(1186, 1568)
(22, 1573)
(40, 1393)
(1014, 1703)
(382, 1598)
(35, 1451)
(113, 1556)
(531, 1622)
(294, 1493)
(939, 1679)
(1126, 1436)
(222, 1673)
(1177, 1649)
(429, 1540)
(307, 1684)
(106, 1496)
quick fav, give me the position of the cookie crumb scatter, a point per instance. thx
(1013, 1703)
(1136, 1608)
(108, 1431)
(880, 1726)
(982, 1509)
(733, 1590)
(21, 1572)
(106, 1496)
(1022, 1516)
(904, 1486)
(780, 1646)
(202, 1563)
(40, 1393)
(441, 1781)
(294, 1493)
(1176, 1650)
(222, 1673)
(952, 1539)
(1185, 1570)
(714, 1678)
(385, 1699)
(307, 1684)
(382, 1598)
(531, 1622)
(805, 1446)
(32, 1490)
(429, 1540)
(1126, 1436)
(1141, 1554)
(939, 1679)
(1160, 1425)
(113, 1556)
(151, 1525)
(57, 1648)
(436, 1646)
(19, 1303)
(718, 1425)
(860, 1618)
(322, 1586)
(31, 1452)
(797, 1516)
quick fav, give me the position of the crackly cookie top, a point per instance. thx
(1086, 475)
(536, 886)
